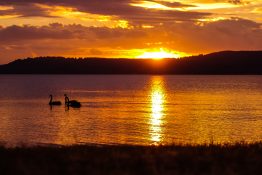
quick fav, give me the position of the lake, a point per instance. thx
(130, 109)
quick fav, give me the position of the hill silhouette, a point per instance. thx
(226, 62)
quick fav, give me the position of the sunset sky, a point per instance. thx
(127, 28)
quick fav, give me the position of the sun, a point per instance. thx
(159, 54)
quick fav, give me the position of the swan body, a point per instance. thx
(72, 103)
(51, 102)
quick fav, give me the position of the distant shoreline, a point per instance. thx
(219, 63)
(136, 74)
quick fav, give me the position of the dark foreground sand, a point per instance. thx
(83, 159)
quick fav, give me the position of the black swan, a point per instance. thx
(72, 103)
(51, 102)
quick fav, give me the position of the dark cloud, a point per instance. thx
(58, 31)
(30, 32)
(172, 4)
(240, 2)
(30, 10)
(26, 10)
(119, 8)
(236, 1)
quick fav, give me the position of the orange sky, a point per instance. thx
(127, 28)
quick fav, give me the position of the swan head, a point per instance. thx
(50, 95)
(65, 95)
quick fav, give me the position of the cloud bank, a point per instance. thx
(123, 28)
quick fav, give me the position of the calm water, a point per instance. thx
(123, 109)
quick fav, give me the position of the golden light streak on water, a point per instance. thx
(157, 109)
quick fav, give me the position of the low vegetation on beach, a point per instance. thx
(239, 158)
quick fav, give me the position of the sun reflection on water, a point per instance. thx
(157, 109)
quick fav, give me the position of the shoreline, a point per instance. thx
(239, 158)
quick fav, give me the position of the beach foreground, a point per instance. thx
(92, 159)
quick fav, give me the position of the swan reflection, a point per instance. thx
(157, 109)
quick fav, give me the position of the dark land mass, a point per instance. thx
(205, 159)
(226, 62)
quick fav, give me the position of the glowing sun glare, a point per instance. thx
(159, 54)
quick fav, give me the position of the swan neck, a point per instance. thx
(51, 99)
(66, 99)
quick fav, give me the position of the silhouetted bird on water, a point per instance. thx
(72, 103)
(51, 102)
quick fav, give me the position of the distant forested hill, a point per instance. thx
(226, 62)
